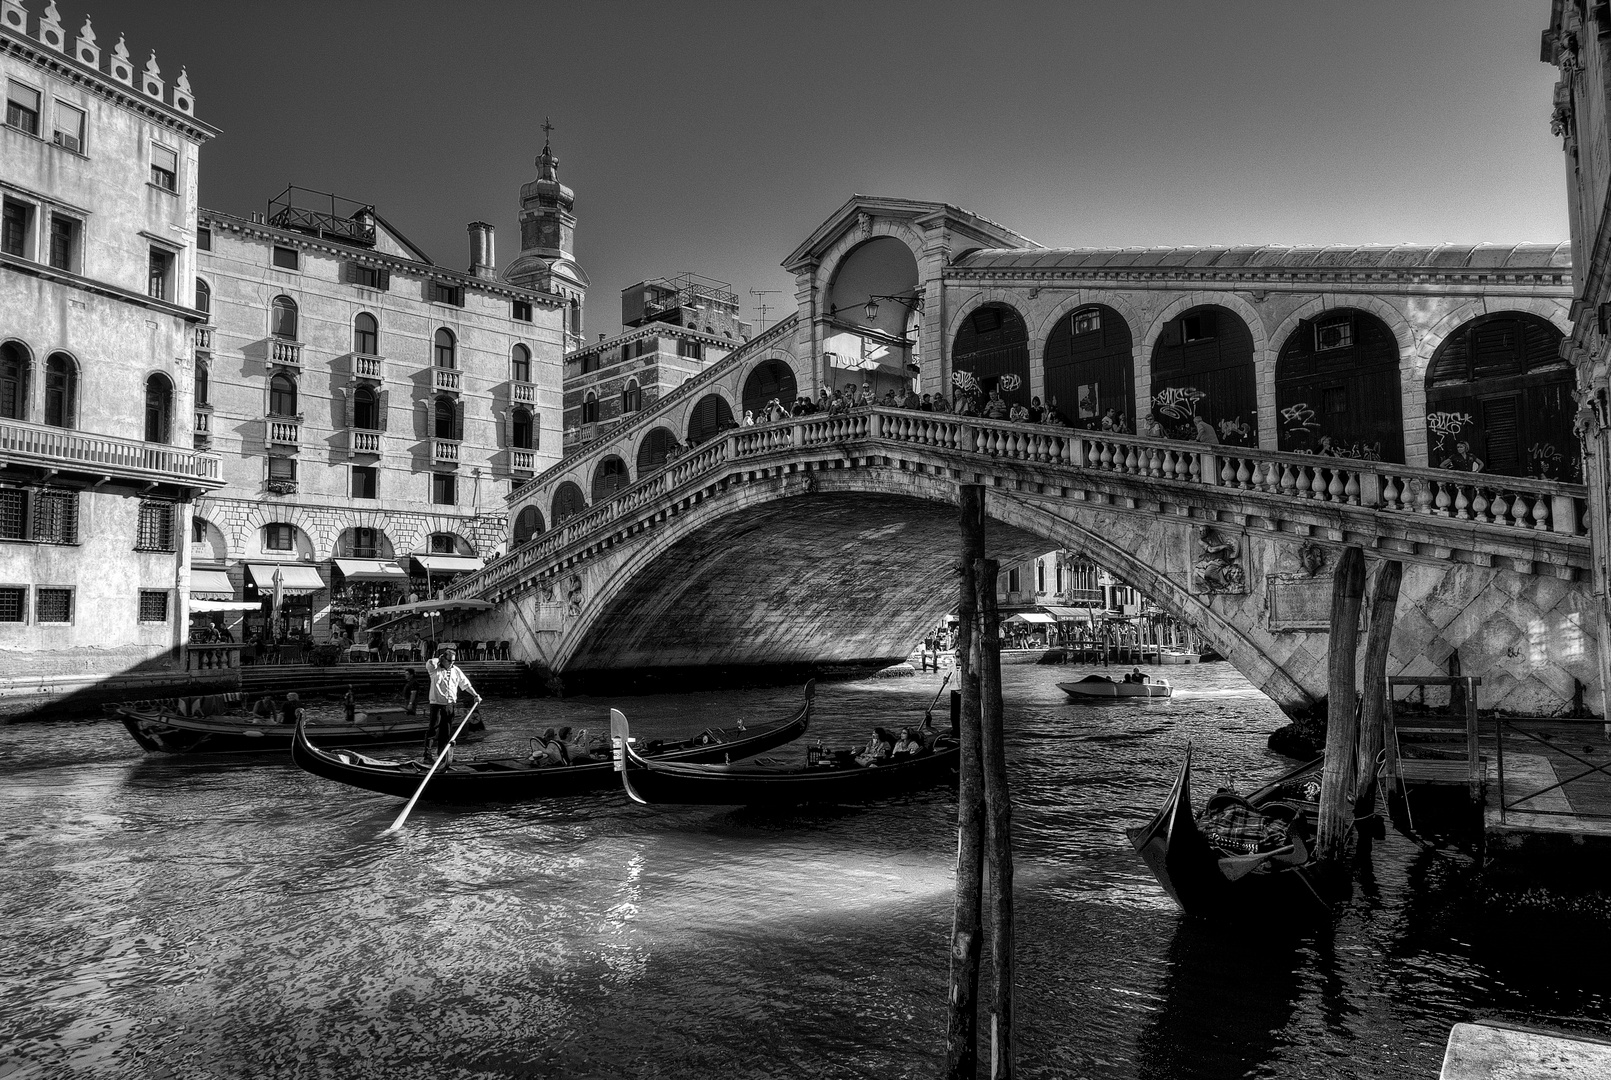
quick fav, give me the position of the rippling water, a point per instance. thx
(165, 917)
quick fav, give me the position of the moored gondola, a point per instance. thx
(1242, 857)
(517, 780)
(219, 724)
(766, 783)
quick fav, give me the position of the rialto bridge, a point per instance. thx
(1336, 381)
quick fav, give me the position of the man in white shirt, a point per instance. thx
(446, 679)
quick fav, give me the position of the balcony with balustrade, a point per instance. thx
(202, 433)
(523, 462)
(286, 353)
(100, 458)
(523, 393)
(445, 451)
(284, 431)
(204, 340)
(445, 380)
(361, 441)
(367, 367)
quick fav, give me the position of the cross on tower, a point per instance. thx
(547, 130)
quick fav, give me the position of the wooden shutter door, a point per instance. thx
(1500, 418)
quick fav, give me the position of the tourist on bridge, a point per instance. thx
(446, 680)
(749, 417)
(940, 404)
(1018, 413)
(824, 401)
(927, 404)
(996, 407)
(1037, 412)
(1205, 431)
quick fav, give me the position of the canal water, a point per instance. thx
(170, 917)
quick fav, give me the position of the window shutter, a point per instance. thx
(536, 429)
(1503, 439)
(351, 406)
(380, 408)
(384, 278)
(349, 273)
(509, 428)
(458, 420)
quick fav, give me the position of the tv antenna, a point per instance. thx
(761, 306)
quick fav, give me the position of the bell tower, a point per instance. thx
(548, 237)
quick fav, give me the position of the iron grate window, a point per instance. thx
(156, 528)
(13, 514)
(13, 604)
(53, 605)
(153, 605)
(56, 517)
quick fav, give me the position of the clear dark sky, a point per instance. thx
(714, 137)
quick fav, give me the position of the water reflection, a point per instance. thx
(241, 919)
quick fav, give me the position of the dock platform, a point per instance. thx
(1489, 1051)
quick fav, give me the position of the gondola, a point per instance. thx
(218, 724)
(517, 780)
(1099, 687)
(653, 780)
(1228, 861)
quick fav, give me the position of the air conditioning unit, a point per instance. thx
(69, 141)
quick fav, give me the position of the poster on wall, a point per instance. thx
(1090, 401)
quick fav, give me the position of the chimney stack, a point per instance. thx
(483, 263)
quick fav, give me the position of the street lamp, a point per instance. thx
(911, 303)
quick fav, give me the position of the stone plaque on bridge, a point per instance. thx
(550, 617)
(1298, 602)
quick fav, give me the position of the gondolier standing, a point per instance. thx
(446, 679)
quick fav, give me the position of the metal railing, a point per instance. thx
(366, 367)
(446, 379)
(59, 447)
(286, 352)
(1565, 743)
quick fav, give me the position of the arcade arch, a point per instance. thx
(528, 523)
(1202, 369)
(1337, 387)
(1089, 367)
(709, 417)
(568, 502)
(609, 476)
(770, 379)
(655, 449)
(991, 352)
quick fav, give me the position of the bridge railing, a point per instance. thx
(1504, 502)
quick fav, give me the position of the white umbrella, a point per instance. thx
(279, 595)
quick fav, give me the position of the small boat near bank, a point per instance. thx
(519, 780)
(1098, 686)
(833, 780)
(1241, 857)
(220, 724)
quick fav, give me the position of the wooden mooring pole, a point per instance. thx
(962, 1034)
(998, 825)
(1337, 777)
(1373, 703)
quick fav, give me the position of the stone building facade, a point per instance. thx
(373, 407)
(98, 161)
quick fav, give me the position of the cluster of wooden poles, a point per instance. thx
(984, 818)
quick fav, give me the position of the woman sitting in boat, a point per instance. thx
(549, 750)
(879, 749)
(264, 708)
(291, 711)
(579, 747)
(910, 744)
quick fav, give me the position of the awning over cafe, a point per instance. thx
(1031, 617)
(295, 580)
(198, 607)
(426, 607)
(211, 585)
(370, 570)
(446, 564)
(1069, 614)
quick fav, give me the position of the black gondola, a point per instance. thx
(1236, 877)
(217, 724)
(517, 780)
(656, 780)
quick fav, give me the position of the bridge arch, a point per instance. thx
(992, 344)
(568, 502)
(771, 377)
(609, 476)
(1263, 364)
(654, 447)
(1499, 399)
(1088, 365)
(1204, 365)
(1337, 384)
(711, 414)
(527, 524)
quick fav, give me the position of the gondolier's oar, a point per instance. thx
(441, 757)
(928, 713)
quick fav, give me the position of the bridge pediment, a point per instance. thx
(862, 212)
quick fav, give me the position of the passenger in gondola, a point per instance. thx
(264, 708)
(349, 704)
(548, 751)
(910, 744)
(291, 711)
(579, 748)
(411, 692)
(878, 749)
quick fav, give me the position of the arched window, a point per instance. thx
(204, 297)
(366, 335)
(365, 409)
(609, 477)
(1202, 368)
(520, 430)
(568, 502)
(711, 416)
(654, 450)
(590, 408)
(770, 379)
(282, 395)
(528, 523)
(158, 409)
(1337, 388)
(992, 346)
(13, 381)
(204, 390)
(520, 364)
(632, 397)
(61, 391)
(283, 318)
(1089, 369)
(446, 417)
(446, 349)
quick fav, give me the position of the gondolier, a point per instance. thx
(446, 679)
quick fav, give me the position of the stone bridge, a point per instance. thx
(830, 539)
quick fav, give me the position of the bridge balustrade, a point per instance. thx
(1505, 502)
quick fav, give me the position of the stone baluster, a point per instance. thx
(1130, 460)
(1479, 505)
(1441, 499)
(1541, 513)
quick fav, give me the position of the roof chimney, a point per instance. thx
(483, 263)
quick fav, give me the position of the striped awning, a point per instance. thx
(295, 580)
(211, 585)
(369, 570)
